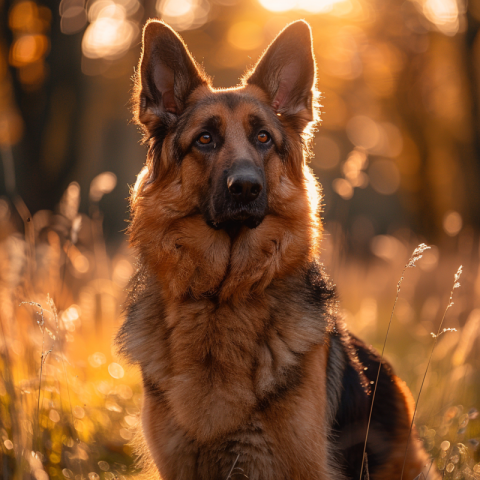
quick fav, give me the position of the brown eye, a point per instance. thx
(204, 138)
(263, 137)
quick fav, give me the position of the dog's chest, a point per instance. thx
(282, 441)
(222, 380)
(226, 362)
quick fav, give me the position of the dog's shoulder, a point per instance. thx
(144, 317)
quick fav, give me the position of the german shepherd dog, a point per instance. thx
(247, 371)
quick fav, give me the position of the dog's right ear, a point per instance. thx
(167, 74)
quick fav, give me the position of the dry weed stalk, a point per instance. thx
(44, 355)
(456, 284)
(416, 255)
(41, 325)
(233, 468)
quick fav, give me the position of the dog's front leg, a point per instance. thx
(174, 454)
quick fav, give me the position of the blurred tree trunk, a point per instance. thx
(51, 113)
(449, 147)
(472, 57)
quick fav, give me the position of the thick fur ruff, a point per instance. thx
(230, 317)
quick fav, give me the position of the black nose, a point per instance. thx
(244, 187)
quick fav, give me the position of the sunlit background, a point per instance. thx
(398, 146)
(397, 153)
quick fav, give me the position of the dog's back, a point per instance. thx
(246, 369)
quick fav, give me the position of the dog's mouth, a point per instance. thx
(224, 214)
(250, 222)
(233, 220)
(233, 225)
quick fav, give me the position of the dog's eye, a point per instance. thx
(263, 137)
(205, 138)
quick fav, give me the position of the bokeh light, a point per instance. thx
(452, 223)
(328, 153)
(28, 49)
(444, 14)
(363, 132)
(311, 6)
(116, 370)
(101, 185)
(110, 34)
(384, 176)
(343, 188)
(387, 247)
(30, 24)
(73, 16)
(353, 168)
(183, 14)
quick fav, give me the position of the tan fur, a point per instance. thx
(231, 335)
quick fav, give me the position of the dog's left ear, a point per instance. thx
(286, 71)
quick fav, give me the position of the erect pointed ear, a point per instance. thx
(286, 71)
(167, 73)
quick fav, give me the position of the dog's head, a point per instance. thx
(224, 161)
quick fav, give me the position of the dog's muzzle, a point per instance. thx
(240, 198)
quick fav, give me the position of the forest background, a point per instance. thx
(397, 154)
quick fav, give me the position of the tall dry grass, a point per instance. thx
(69, 407)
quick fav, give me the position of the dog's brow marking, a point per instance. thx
(255, 121)
(214, 122)
(230, 99)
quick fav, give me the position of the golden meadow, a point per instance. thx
(69, 407)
